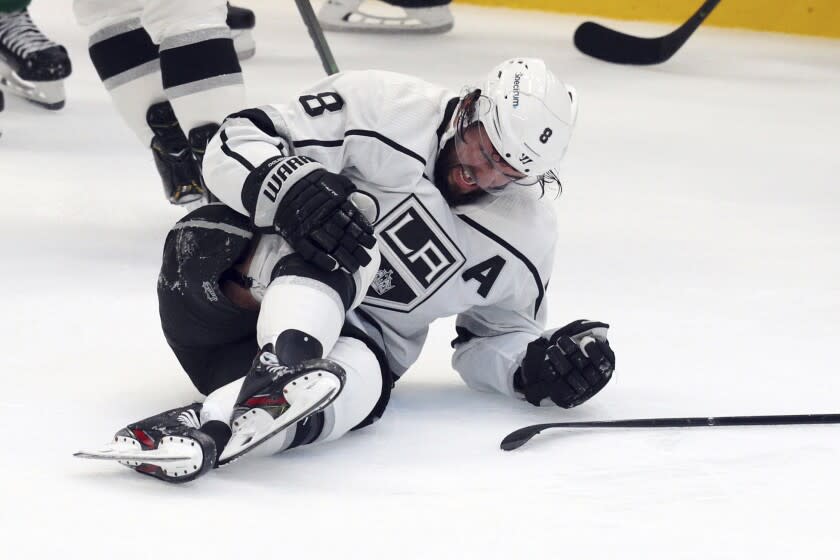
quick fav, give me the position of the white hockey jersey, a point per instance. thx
(488, 263)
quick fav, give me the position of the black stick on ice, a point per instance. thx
(614, 46)
(521, 436)
(317, 35)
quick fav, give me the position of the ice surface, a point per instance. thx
(699, 218)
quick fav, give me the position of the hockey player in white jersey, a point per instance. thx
(352, 218)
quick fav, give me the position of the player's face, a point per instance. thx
(480, 165)
(470, 166)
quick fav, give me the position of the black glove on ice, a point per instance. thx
(568, 365)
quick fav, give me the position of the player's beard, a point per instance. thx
(446, 162)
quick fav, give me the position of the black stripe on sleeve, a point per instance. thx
(515, 252)
(198, 61)
(226, 149)
(387, 141)
(122, 52)
(259, 119)
(358, 132)
(323, 143)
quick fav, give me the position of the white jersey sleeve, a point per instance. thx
(375, 125)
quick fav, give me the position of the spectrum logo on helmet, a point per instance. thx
(516, 78)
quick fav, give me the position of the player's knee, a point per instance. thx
(339, 281)
(202, 246)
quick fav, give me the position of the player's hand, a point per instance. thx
(568, 365)
(319, 219)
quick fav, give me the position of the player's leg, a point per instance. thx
(362, 400)
(201, 75)
(301, 316)
(213, 339)
(181, 444)
(300, 319)
(125, 57)
(127, 61)
(134, 73)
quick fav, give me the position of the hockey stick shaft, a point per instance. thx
(317, 35)
(521, 436)
(610, 45)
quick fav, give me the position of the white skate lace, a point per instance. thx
(19, 34)
(189, 418)
(272, 364)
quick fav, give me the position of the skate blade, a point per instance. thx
(49, 95)
(257, 426)
(386, 28)
(110, 454)
(426, 21)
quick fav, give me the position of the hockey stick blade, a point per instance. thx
(520, 437)
(614, 46)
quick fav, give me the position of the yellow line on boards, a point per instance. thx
(806, 17)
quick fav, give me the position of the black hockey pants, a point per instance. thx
(214, 340)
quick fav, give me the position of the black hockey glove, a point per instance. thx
(312, 209)
(321, 222)
(568, 365)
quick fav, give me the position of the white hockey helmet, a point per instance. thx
(530, 115)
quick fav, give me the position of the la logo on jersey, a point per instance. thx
(417, 258)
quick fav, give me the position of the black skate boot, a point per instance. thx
(274, 397)
(31, 65)
(241, 21)
(174, 158)
(168, 446)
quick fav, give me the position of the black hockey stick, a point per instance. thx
(317, 35)
(614, 46)
(521, 436)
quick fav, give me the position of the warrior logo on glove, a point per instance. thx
(312, 209)
(568, 365)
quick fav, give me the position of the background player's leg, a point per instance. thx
(201, 74)
(125, 57)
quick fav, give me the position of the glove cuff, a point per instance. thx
(266, 186)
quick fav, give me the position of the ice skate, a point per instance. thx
(241, 22)
(345, 15)
(174, 158)
(274, 397)
(168, 446)
(31, 65)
